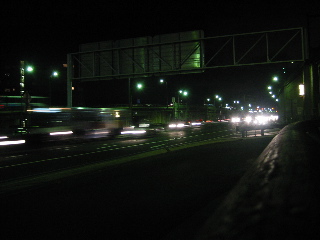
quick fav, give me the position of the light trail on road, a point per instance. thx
(50, 158)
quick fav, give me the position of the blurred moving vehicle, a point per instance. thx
(46, 124)
(178, 124)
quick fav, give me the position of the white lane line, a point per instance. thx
(113, 147)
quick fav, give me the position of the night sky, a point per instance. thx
(44, 32)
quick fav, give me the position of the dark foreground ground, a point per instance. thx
(168, 196)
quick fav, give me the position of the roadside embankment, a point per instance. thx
(279, 196)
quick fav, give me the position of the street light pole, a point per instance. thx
(184, 93)
(130, 97)
(22, 82)
(53, 75)
(163, 81)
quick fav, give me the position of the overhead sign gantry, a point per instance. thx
(178, 53)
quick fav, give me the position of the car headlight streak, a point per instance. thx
(256, 120)
(235, 119)
(61, 133)
(176, 125)
(13, 142)
(133, 132)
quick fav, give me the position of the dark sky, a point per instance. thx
(52, 28)
(44, 32)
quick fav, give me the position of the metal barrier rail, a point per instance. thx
(244, 129)
(279, 196)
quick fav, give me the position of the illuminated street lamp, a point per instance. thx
(218, 98)
(162, 81)
(183, 92)
(29, 69)
(54, 74)
(139, 86)
(24, 69)
(207, 101)
(275, 79)
(177, 110)
(220, 112)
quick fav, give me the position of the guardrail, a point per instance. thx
(279, 196)
(245, 128)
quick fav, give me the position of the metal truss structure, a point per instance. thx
(179, 53)
(286, 45)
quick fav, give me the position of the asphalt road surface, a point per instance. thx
(17, 161)
(165, 196)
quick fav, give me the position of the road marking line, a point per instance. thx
(107, 147)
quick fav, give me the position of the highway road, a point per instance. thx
(22, 160)
(166, 195)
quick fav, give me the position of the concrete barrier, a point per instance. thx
(279, 196)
